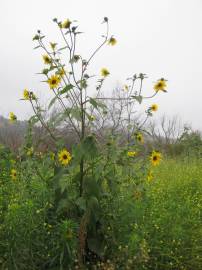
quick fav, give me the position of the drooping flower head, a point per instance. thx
(64, 157)
(155, 158)
(160, 85)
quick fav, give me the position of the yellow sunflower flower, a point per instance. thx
(54, 81)
(12, 117)
(66, 24)
(47, 60)
(150, 176)
(154, 107)
(131, 153)
(160, 85)
(139, 137)
(64, 157)
(112, 41)
(104, 72)
(155, 158)
(26, 94)
(13, 174)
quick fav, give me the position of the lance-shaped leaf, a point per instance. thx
(66, 89)
(96, 104)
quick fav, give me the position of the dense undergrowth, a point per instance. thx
(157, 226)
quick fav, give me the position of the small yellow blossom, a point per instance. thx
(91, 117)
(160, 85)
(30, 151)
(140, 138)
(12, 117)
(52, 156)
(155, 158)
(54, 81)
(47, 60)
(125, 87)
(112, 41)
(104, 72)
(150, 176)
(64, 157)
(26, 94)
(13, 174)
(131, 153)
(66, 24)
(154, 107)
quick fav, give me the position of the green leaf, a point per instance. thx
(91, 188)
(138, 98)
(81, 203)
(96, 104)
(66, 89)
(63, 48)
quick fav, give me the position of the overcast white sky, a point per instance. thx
(162, 38)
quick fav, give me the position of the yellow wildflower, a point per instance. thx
(64, 157)
(139, 138)
(66, 24)
(13, 174)
(54, 81)
(125, 87)
(160, 85)
(47, 60)
(26, 94)
(52, 156)
(154, 107)
(150, 176)
(30, 151)
(155, 158)
(12, 117)
(91, 117)
(131, 154)
(104, 72)
(112, 41)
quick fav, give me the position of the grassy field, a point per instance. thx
(156, 227)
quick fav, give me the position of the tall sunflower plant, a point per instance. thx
(91, 168)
